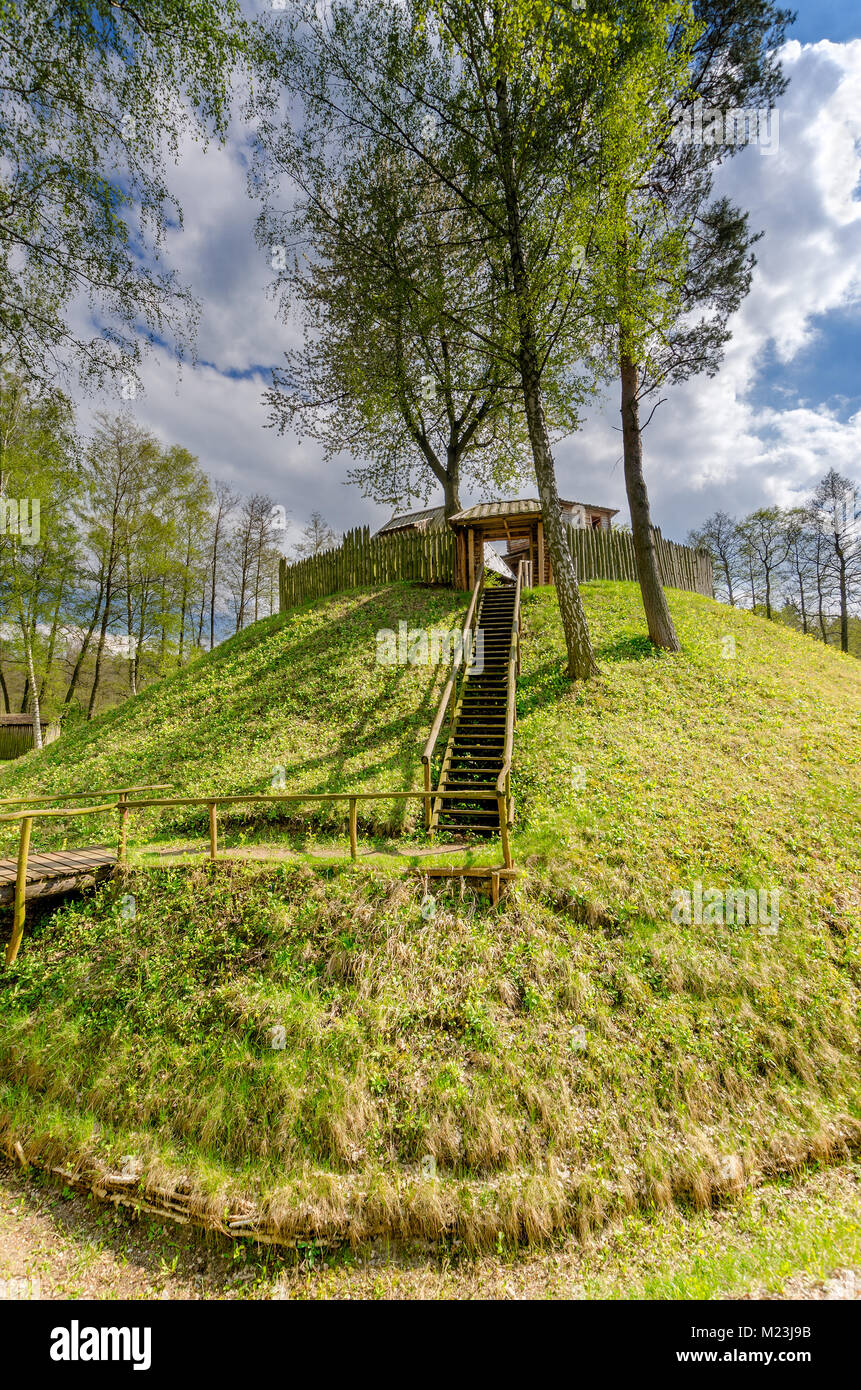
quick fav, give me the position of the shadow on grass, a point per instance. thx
(549, 683)
(633, 646)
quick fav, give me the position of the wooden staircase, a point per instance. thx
(472, 794)
(476, 746)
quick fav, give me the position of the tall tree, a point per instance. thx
(248, 542)
(763, 536)
(719, 536)
(384, 281)
(37, 538)
(685, 259)
(121, 459)
(835, 511)
(316, 537)
(799, 560)
(519, 93)
(95, 94)
(224, 505)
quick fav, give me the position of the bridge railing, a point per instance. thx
(84, 796)
(284, 798)
(26, 817)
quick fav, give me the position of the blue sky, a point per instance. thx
(785, 406)
(837, 20)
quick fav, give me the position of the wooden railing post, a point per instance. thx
(124, 825)
(20, 891)
(354, 837)
(427, 794)
(213, 831)
(503, 830)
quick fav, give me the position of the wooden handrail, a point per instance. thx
(256, 798)
(448, 692)
(26, 818)
(38, 812)
(411, 794)
(85, 796)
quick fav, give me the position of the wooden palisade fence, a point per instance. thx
(610, 555)
(363, 561)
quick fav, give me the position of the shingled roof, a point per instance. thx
(432, 519)
(517, 506)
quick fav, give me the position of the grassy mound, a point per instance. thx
(292, 1044)
(302, 692)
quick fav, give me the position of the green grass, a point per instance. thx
(567, 1058)
(738, 772)
(302, 692)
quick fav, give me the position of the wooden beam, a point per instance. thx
(20, 891)
(541, 552)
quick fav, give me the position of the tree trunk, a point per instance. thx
(728, 573)
(106, 617)
(37, 714)
(801, 599)
(452, 483)
(201, 615)
(752, 585)
(85, 645)
(581, 658)
(49, 655)
(660, 624)
(130, 624)
(844, 600)
(26, 633)
(4, 690)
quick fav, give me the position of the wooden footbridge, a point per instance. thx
(472, 792)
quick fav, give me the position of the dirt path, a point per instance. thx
(794, 1242)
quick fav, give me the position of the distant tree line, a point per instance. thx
(120, 559)
(796, 565)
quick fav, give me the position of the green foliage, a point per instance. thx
(95, 95)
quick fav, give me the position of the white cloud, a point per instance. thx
(711, 444)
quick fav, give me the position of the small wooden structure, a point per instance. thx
(16, 734)
(493, 879)
(48, 875)
(519, 522)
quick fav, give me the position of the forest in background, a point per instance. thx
(120, 558)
